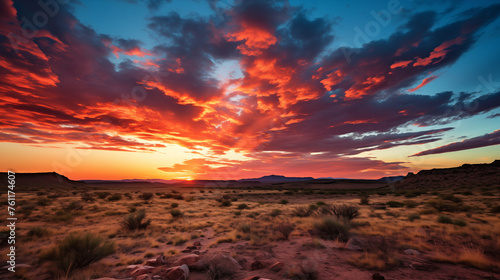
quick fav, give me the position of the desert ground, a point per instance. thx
(120, 231)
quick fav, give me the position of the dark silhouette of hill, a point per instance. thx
(277, 179)
(467, 175)
(41, 181)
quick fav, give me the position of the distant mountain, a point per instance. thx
(391, 179)
(132, 181)
(467, 175)
(277, 179)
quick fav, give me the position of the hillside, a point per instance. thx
(42, 181)
(467, 175)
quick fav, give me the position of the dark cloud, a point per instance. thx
(485, 140)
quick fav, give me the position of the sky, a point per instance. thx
(209, 89)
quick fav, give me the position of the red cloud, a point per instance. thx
(423, 83)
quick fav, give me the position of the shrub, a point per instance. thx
(74, 205)
(146, 196)
(176, 213)
(136, 221)
(495, 209)
(460, 222)
(102, 195)
(78, 251)
(302, 211)
(242, 206)
(115, 197)
(346, 212)
(451, 197)
(127, 195)
(413, 216)
(329, 228)
(87, 197)
(225, 203)
(320, 203)
(365, 200)
(132, 209)
(37, 232)
(43, 201)
(410, 203)
(444, 219)
(285, 229)
(275, 212)
(283, 201)
(174, 205)
(393, 203)
(244, 227)
(443, 205)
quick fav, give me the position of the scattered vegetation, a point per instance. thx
(78, 251)
(136, 221)
(332, 229)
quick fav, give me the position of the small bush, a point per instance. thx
(394, 204)
(87, 197)
(174, 205)
(410, 203)
(275, 212)
(176, 213)
(102, 195)
(43, 201)
(285, 229)
(329, 228)
(146, 196)
(460, 222)
(132, 209)
(78, 251)
(495, 209)
(451, 197)
(413, 216)
(225, 203)
(346, 212)
(136, 221)
(444, 219)
(284, 201)
(37, 232)
(74, 205)
(302, 211)
(365, 200)
(245, 228)
(242, 206)
(115, 197)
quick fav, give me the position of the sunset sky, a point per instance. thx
(208, 89)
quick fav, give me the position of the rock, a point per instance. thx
(356, 243)
(365, 243)
(377, 276)
(177, 273)
(159, 261)
(142, 270)
(131, 268)
(197, 243)
(412, 252)
(253, 278)
(143, 277)
(277, 266)
(256, 265)
(157, 277)
(189, 260)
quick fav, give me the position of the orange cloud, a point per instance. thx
(439, 52)
(423, 83)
